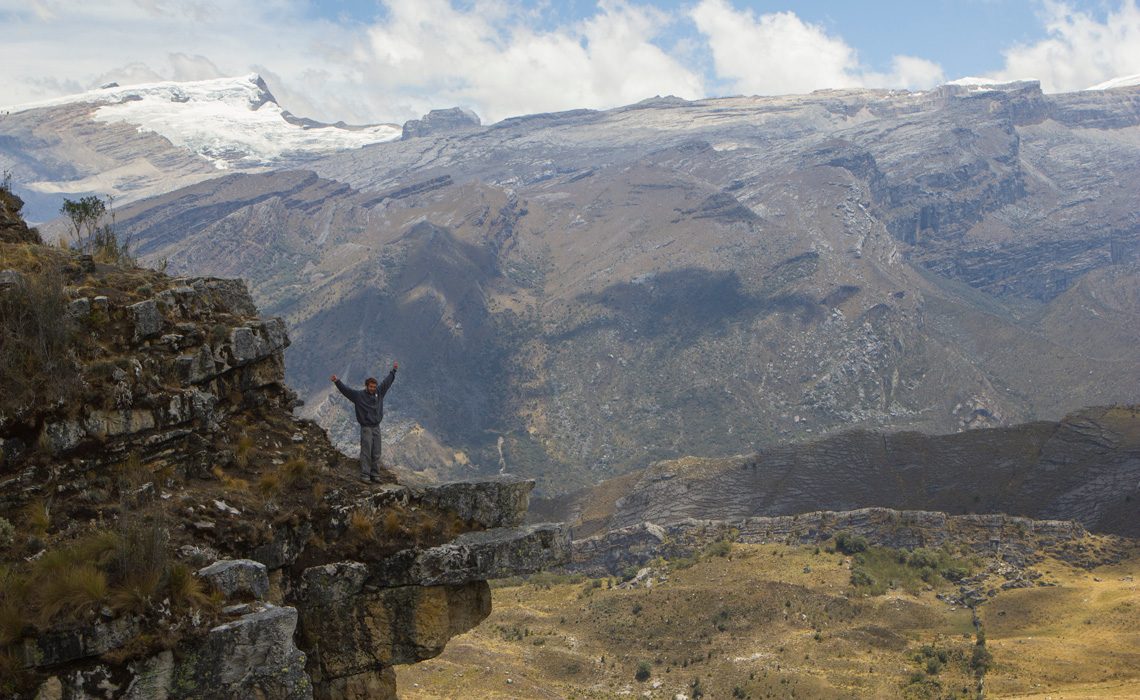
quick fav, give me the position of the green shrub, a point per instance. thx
(850, 544)
(720, 548)
(643, 671)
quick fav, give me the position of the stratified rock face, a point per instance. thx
(196, 514)
(577, 295)
(1084, 468)
(359, 619)
(1016, 540)
(482, 555)
(201, 333)
(440, 121)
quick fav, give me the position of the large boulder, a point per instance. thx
(253, 656)
(237, 578)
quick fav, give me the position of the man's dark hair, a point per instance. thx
(371, 380)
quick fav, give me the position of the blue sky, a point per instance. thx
(392, 60)
(965, 36)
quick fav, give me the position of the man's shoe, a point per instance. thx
(366, 479)
(375, 479)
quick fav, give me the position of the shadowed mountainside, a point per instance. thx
(1084, 468)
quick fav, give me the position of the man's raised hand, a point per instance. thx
(333, 378)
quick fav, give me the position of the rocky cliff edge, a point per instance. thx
(169, 529)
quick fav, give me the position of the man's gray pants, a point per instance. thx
(369, 450)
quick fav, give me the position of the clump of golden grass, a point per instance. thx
(296, 471)
(135, 593)
(187, 590)
(269, 483)
(393, 523)
(74, 589)
(242, 450)
(131, 473)
(360, 526)
(37, 517)
(230, 483)
(13, 605)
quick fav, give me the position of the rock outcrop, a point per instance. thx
(13, 228)
(182, 535)
(1084, 468)
(1017, 540)
(441, 121)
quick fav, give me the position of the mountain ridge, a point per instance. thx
(699, 278)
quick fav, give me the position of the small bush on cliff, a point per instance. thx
(850, 544)
(93, 227)
(643, 671)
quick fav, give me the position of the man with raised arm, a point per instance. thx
(369, 404)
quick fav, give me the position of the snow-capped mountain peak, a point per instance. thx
(1122, 81)
(232, 122)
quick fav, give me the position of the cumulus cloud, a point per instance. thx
(498, 57)
(774, 53)
(1079, 50)
(428, 50)
(779, 53)
(490, 55)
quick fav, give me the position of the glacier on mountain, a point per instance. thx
(232, 122)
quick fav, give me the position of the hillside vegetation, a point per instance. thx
(776, 621)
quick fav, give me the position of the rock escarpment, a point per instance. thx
(169, 529)
(1016, 540)
(1084, 468)
(599, 290)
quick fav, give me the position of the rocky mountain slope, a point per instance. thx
(1084, 468)
(576, 295)
(169, 529)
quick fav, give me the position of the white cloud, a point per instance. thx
(1079, 50)
(775, 53)
(907, 72)
(429, 49)
(779, 53)
(490, 55)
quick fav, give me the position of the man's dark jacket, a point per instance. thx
(369, 407)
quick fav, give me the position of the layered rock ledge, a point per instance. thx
(168, 529)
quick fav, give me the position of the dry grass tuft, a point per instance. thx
(136, 592)
(269, 483)
(37, 517)
(187, 590)
(242, 451)
(74, 590)
(37, 364)
(361, 527)
(230, 483)
(131, 473)
(393, 523)
(296, 471)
